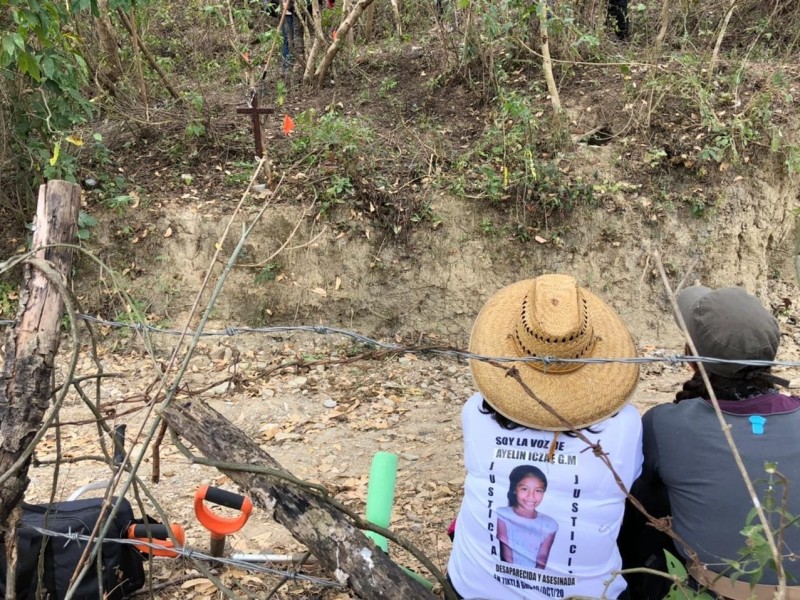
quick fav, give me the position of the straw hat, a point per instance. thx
(551, 316)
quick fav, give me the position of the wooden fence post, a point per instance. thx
(31, 346)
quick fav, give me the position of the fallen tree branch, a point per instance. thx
(338, 544)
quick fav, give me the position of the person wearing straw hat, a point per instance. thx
(550, 415)
(689, 470)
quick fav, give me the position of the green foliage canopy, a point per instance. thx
(42, 74)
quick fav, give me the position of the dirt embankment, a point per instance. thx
(390, 250)
(435, 282)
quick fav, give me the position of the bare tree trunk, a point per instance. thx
(308, 32)
(369, 26)
(547, 63)
(469, 34)
(315, 19)
(137, 57)
(333, 49)
(720, 36)
(148, 55)
(108, 42)
(662, 32)
(345, 10)
(340, 547)
(31, 347)
(101, 79)
(398, 21)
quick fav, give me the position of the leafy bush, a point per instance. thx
(506, 167)
(41, 90)
(332, 136)
(730, 120)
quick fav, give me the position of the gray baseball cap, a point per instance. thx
(731, 324)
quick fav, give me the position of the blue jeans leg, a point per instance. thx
(287, 32)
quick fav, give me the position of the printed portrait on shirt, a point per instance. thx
(525, 534)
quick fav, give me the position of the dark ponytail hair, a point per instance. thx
(753, 383)
(507, 423)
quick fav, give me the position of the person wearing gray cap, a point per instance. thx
(689, 472)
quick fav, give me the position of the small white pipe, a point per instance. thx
(272, 558)
(95, 485)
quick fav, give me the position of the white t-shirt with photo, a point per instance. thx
(582, 504)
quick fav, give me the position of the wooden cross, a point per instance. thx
(255, 113)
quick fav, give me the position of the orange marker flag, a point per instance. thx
(288, 125)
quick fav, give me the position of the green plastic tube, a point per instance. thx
(380, 499)
(419, 578)
(380, 494)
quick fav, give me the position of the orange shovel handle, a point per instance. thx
(158, 535)
(216, 524)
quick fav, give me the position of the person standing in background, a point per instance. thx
(618, 15)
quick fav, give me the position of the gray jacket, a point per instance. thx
(685, 449)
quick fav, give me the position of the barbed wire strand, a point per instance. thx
(234, 331)
(186, 552)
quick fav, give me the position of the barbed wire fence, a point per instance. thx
(186, 552)
(458, 354)
(164, 390)
(374, 348)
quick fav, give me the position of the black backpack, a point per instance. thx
(122, 565)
